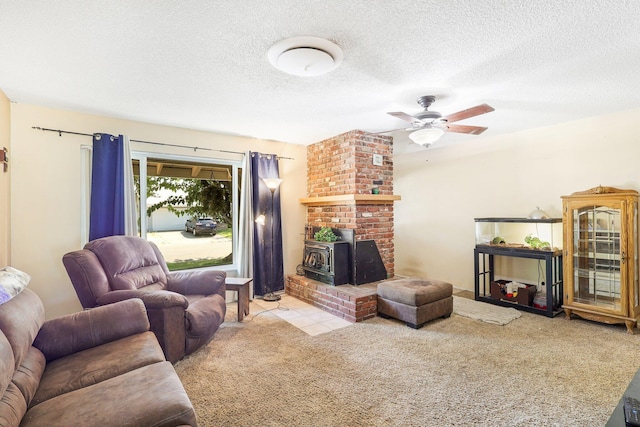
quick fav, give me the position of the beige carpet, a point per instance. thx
(534, 371)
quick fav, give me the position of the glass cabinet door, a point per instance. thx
(635, 298)
(597, 256)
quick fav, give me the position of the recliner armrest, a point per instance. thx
(90, 328)
(205, 282)
(151, 298)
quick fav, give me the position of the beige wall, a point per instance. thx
(46, 179)
(434, 229)
(5, 130)
(504, 176)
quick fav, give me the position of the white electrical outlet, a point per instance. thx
(377, 159)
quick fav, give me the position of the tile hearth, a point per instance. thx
(303, 316)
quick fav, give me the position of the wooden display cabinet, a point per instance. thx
(601, 255)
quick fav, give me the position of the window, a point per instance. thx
(187, 206)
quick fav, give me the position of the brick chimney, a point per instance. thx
(342, 173)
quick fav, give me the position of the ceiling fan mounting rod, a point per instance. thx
(426, 101)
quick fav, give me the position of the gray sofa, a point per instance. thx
(85, 369)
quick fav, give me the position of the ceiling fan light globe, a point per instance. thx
(426, 137)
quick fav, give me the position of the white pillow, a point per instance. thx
(12, 282)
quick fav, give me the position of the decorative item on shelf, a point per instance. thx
(375, 190)
(538, 214)
(513, 287)
(325, 234)
(501, 242)
(540, 300)
(536, 243)
(515, 292)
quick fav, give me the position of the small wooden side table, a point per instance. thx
(240, 285)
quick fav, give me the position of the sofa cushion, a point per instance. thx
(7, 363)
(20, 321)
(12, 407)
(27, 377)
(98, 364)
(149, 396)
(90, 328)
(12, 282)
(129, 262)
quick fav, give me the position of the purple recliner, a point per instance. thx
(185, 308)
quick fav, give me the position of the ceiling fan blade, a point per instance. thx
(469, 112)
(404, 116)
(387, 131)
(472, 130)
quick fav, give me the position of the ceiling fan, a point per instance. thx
(428, 126)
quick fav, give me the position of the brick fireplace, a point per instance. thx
(349, 186)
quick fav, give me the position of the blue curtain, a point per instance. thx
(107, 215)
(267, 238)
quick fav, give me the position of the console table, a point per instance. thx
(240, 285)
(485, 274)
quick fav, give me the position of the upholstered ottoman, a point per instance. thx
(415, 301)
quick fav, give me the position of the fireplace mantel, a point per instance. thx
(351, 199)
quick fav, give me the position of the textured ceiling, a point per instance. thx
(203, 64)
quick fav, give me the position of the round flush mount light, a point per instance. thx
(305, 56)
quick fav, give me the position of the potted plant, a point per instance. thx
(325, 234)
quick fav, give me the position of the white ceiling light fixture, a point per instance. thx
(305, 56)
(427, 136)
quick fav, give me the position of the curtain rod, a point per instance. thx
(60, 132)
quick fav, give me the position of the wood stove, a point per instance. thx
(344, 261)
(326, 262)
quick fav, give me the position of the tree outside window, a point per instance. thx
(179, 190)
